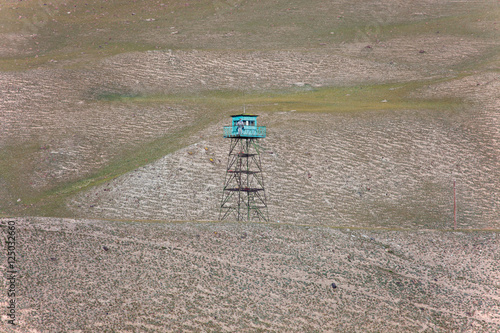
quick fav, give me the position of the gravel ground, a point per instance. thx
(100, 275)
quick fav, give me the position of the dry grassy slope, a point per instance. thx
(378, 169)
(53, 110)
(60, 132)
(227, 277)
(92, 94)
(115, 26)
(176, 71)
(68, 129)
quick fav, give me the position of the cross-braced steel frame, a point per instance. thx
(244, 195)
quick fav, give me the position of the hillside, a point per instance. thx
(86, 98)
(111, 116)
(97, 276)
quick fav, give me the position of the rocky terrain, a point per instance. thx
(101, 275)
(112, 162)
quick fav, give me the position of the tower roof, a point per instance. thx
(244, 114)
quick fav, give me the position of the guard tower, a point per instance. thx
(244, 196)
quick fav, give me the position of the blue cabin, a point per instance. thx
(244, 126)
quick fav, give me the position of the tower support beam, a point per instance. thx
(244, 195)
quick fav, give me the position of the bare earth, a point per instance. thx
(112, 162)
(246, 277)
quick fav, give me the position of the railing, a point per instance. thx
(246, 132)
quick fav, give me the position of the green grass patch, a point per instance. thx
(15, 164)
(460, 25)
(299, 99)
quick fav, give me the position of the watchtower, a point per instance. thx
(244, 195)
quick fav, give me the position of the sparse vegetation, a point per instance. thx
(278, 278)
(113, 110)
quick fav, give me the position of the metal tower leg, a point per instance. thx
(243, 195)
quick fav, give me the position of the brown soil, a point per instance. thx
(379, 169)
(97, 275)
(362, 199)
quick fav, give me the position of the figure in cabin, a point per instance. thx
(244, 126)
(240, 125)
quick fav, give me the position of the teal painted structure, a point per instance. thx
(247, 129)
(243, 195)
